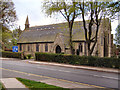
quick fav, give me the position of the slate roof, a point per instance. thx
(47, 33)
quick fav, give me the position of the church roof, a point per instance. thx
(47, 33)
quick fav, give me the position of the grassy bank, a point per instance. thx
(38, 85)
(1, 86)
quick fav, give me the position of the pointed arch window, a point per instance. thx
(37, 47)
(58, 49)
(24, 47)
(20, 47)
(46, 47)
(80, 47)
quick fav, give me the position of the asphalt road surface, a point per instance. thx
(15, 68)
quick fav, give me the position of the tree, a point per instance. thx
(96, 11)
(67, 10)
(117, 36)
(7, 19)
(6, 37)
(7, 13)
(15, 35)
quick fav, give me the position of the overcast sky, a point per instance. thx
(33, 8)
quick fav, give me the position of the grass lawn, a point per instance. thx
(1, 86)
(38, 85)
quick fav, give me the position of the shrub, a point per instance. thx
(28, 56)
(11, 54)
(79, 60)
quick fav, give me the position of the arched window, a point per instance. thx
(37, 47)
(58, 49)
(20, 47)
(77, 52)
(46, 47)
(24, 47)
(80, 47)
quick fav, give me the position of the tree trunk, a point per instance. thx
(71, 44)
(3, 46)
(88, 46)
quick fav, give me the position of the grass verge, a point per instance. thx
(38, 85)
(1, 86)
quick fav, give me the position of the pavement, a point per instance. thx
(14, 83)
(99, 69)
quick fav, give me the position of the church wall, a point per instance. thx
(110, 43)
(42, 47)
(24, 47)
(67, 51)
(59, 41)
(95, 50)
(76, 47)
(104, 39)
(104, 32)
(112, 46)
(81, 53)
(19, 48)
(109, 39)
(34, 47)
(39, 47)
(50, 47)
(100, 42)
(100, 46)
(31, 46)
(84, 48)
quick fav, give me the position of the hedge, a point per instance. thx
(79, 60)
(11, 54)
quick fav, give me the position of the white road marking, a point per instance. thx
(106, 77)
(88, 74)
(63, 71)
(67, 71)
(17, 64)
(53, 69)
(111, 77)
(96, 75)
(52, 78)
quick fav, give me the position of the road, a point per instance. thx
(16, 68)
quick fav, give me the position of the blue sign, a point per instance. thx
(15, 49)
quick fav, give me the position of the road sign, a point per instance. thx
(15, 49)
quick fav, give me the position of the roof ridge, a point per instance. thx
(52, 24)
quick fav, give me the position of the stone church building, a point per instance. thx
(55, 39)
